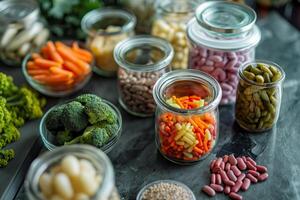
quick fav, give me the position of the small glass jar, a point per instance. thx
(185, 136)
(170, 24)
(142, 60)
(222, 36)
(99, 160)
(258, 104)
(105, 28)
(21, 31)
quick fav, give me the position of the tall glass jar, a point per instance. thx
(170, 24)
(185, 136)
(259, 95)
(48, 160)
(222, 36)
(142, 60)
(21, 31)
(105, 28)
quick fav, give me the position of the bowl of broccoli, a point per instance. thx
(86, 119)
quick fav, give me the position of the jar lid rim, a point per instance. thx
(189, 8)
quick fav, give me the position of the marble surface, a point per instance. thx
(137, 162)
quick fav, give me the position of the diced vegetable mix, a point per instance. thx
(186, 137)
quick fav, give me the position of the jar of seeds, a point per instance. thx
(259, 95)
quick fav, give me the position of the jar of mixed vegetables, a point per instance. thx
(259, 95)
(187, 115)
(105, 28)
(21, 31)
(71, 172)
(170, 24)
(222, 37)
(142, 60)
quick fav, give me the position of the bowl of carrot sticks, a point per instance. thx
(59, 69)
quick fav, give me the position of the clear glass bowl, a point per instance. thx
(49, 140)
(50, 91)
(141, 192)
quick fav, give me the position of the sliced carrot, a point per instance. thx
(72, 67)
(53, 53)
(44, 63)
(59, 71)
(36, 55)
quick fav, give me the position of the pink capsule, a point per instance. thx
(212, 164)
(209, 63)
(215, 58)
(237, 186)
(227, 167)
(226, 86)
(213, 178)
(217, 188)
(203, 52)
(254, 173)
(231, 54)
(208, 190)
(218, 179)
(222, 166)
(235, 196)
(251, 161)
(216, 169)
(246, 184)
(231, 176)
(227, 189)
(228, 182)
(232, 159)
(261, 169)
(235, 170)
(223, 175)
(244, 159)
(219, 74)
(231, 63)
(263, 177)
(232, 69)
(225, 158)
(250, 165)
(207, 69)
(252, 178)
(241, 177)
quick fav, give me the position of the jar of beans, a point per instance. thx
(105, 28)
(170, 24)
(222, 36)
(187, 115)
(71, 172)
(142, 60)
(259, 95)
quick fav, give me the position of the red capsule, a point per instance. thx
(212, 164)
(228, 182)
(223, 175)
(216, 169)
(252, 178)
(237, 186)
(208, 190)
(217, 188)
(254, 173)
(244, 159)
(263, 177)
(225, 159)
(235, 196)
(250, 166)
(241, 177)
(227, 167)
(227, 189)
(251, 160)
(218, 162)
(246, 184)
(222, 166)
(241, 164)
(231, 176)
(235, 170)
(232, 160)
(218, 179)
(213, 178)
(261, 169)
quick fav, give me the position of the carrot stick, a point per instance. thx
(36, 55)
(31, 65)
(45, 52)
(51, 79)
(82, 56)
(77, 49)
(59, 71)
(33, 72)
(178, 102)
(72, 67)
(53, 53)
(44, 63)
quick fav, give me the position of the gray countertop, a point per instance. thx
(137, 161)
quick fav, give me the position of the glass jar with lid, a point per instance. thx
(105, 28)
(187, 122)
(21, 32)
(142, 60)
(170, 24)
(50, 168)
(222, 36)
(259, 95)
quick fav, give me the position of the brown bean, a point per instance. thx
(252, 178)
(237, 186)
(235, 196)
(263, 177)
(254, 173)
(217, 188)
(246, 184)
(218, 179)
(235, 170)
(241, 164)
(232, 160)
(241, 177)
(261, 169)
(212, 164)
(213, 178)
(208, 190)
(250, 166)
(225, 159)
(231, 176)
(227, 189)
(223, 175)
(228, 182)
(227, 167)
(251, 160)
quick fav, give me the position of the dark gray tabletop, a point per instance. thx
(137, 162)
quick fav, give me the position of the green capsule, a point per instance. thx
(248, 68)
(256, 98)
(267, 117)
(249, 75)
(264, 113)
(273, 100)
(267, 77)
(256, 71)
(259, 79)
(257, 112)
(273, 69)
(264, 96)
(276, 77)
(271, 108)
(271, 91)
(266, 69)
(261, 124)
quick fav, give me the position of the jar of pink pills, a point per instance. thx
(222, 36)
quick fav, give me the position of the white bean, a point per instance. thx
(70, 165)
(86, 166)
(62, 186)
(88, 183)
(45, 183)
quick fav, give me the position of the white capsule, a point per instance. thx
(45, 183)
(88, 183)
(70, 165)
(63, 186)
(81, 196)
(86, 166)
(56, 197)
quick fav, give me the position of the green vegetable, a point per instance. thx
(88, 98)
(9, 135)
(5, 156)
(53, 120)
(73, 117)
(63, 136)
(111, 129)
(7, 87)
(99, 111)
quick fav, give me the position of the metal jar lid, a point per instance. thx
(16, 11)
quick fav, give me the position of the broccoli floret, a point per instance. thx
(111, 129)
(53, 120)
(5, 156)
(100, 111)
(7, 87)
(5, 116)
(9, 134)
(63, 136)
(87, 98)
(73, 117)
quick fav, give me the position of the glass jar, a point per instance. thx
(170, 24)
(258, 104)
(222, 36)
(185, 136)
(99, 160)
(21, 30)
(142, 60)
(105, 28)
